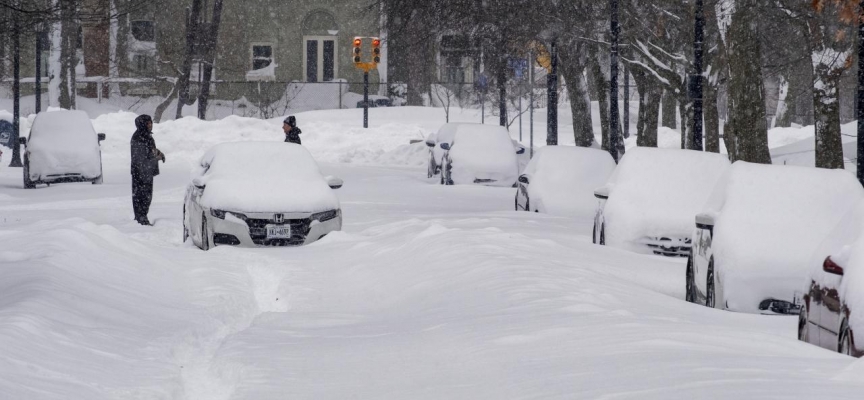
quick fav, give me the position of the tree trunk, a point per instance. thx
(826, 110)
(193, 18)
(669, 112)
(653, 98)
(712, 119)
(746, 91)
(68, 35)
(686, 125)
(573, 71)
(599, 86)
(210, 59)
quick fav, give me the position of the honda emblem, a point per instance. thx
(279, 218)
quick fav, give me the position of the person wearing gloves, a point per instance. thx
(145, 166)
(292, 132)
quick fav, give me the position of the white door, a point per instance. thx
(319, 58)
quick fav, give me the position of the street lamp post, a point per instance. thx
(40, 30)
(552, 89)
(16, 89)
(860, 162)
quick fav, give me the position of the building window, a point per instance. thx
(454, 56)
(141, 63)
(262, 56)
(143, 31)
(319, 58)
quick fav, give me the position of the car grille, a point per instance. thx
(669, 247)
(258, 231)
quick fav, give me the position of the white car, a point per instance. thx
(833, 300)
(482, 154)
(259, 194)
(560, 180)
(755, 237)
(649, 202)
(62, 147)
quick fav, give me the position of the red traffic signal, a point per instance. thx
(376, 50)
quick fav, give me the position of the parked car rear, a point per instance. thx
(62, 147)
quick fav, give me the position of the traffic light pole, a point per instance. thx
(552, 89)
(366, 99)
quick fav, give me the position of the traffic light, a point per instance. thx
(357, 43)
(376, 50)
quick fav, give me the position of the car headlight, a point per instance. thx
(238, 215)
(326, 215)
(217, 213)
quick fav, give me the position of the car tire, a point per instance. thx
(689, 289)
(710, 292)
(803, 320)
(185, 229)
(844, 343)
(594, 233)
(205, 236)
(602, 234)
(28, 184)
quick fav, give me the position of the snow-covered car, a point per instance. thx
(259, 194)
(482, 154)
(650, 200)
(832, 308)
(62, 147)
(560, 180)
(447, 133)
(755, 236)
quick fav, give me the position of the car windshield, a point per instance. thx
(267, 161)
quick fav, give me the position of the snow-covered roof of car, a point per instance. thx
(657, 192)
(771, 220)
(263, 177)
(63, 141)
(564, 178)
(480, 151)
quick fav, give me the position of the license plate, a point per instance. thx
(278, 231)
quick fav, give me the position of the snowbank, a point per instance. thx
(657, 193)
(562, 179)
(263, 177)
(772, 218)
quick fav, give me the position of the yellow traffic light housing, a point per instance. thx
(357, 54)
(376, 50)
(356, 51)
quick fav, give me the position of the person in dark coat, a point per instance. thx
(145, 166)
(292, 132)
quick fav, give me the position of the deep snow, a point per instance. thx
(430, 292)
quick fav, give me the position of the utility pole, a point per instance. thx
(696, 77)
(16, 89)
(552, 91)
(860, 162)
(613, 83)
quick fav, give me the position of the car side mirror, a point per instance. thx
(601, 193)
(334, 182)
(831, 267)
(523, 179)
(445, 146)
(22, 141)
(705, 220)
(521, 150)
(430, 143)
(198, 183)
(101, 136)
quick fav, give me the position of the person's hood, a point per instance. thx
(141, 122)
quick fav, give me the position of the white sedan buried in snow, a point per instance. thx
(755, 238)
(482, 154)
(651, 198)
(259, 194)
(560, 180)
(63, 147)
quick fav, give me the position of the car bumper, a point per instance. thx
(251, 232)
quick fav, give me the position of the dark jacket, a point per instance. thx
(293, 136)
(145, 155)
